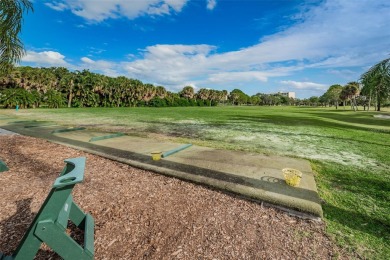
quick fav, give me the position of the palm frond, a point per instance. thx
(11, 18)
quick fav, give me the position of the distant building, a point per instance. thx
(287, 94)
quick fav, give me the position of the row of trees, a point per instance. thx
(32, 87)
(373, 89)
(56, 87)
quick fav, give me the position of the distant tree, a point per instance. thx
(255, 100)
(277, 100)
(161, 92)
(187, 92)
(214, 95)
(238, 97)
(54, 99)
(11, 47)
(67, 83)
(224, 96)
(344, 96)
(333, 94)
(284, 100)
(313, 101)
(203, 93)
(149, 93)
(10, 98)
(351, 90)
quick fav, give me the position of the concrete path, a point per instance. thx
(6, 132)
(254, 176)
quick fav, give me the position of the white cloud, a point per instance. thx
(304, 85)
(45, 58)
(211, 4)
(225, 77)
(97, 11)
(171, 65)
(57, 6)
(102, 66)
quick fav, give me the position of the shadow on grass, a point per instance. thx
(366, 185)
(186, 131)
(358, 199)
(357, 221)
(293, 121)
(318, 120)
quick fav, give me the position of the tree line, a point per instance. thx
(373, 89)
(56, 87)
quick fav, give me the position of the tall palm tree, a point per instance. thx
(352, 89)
(187, 92)
(149, 93)
(213, 95)
(224, 96)
(377, 80)
(161, 92)
(11, 17)
(203, 93)
(67, 83)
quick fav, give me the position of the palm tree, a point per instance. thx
(67, 84)
(11, 47)
(149, 93)
(377, 80)
(224, 96)
(352, 89)
(344, 96)
(187, 92)
(161, 92)
(213, 95)
(203, 93)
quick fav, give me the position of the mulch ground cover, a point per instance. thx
(143, 215)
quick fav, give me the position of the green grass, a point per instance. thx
(349, 152)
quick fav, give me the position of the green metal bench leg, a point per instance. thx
(77, 216)
(53, 235)
(89, 235)
(28, 250)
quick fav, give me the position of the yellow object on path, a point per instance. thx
(156, 156)
(292, 176)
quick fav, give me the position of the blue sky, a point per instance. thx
(256, 45)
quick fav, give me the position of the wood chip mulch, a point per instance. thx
(143, 215)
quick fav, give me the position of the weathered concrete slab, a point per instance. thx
(254, 176)
(138, 145)
(257, 176)
(107, 136)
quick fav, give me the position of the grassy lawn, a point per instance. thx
(349, 152)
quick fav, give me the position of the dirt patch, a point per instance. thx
(142, 215)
